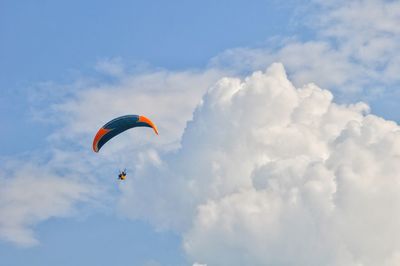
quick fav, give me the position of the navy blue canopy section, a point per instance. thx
(119, 125)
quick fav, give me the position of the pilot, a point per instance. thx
(122, 175)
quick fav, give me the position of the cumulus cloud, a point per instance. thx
(271, 174)
(265, 172)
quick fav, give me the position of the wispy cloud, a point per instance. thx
(354, 51)
(30, 194)
(55, 180)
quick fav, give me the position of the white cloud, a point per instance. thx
(264, 173)
(168, 98)
(306, 62)
(271, 174)
(30, 194)
(354, 52)
(55, 180)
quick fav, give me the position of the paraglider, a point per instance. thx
(116, 127)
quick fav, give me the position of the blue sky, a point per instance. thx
(61, 59)
(100, 240)
(58, 41)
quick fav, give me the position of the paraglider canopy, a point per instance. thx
(119, 125)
